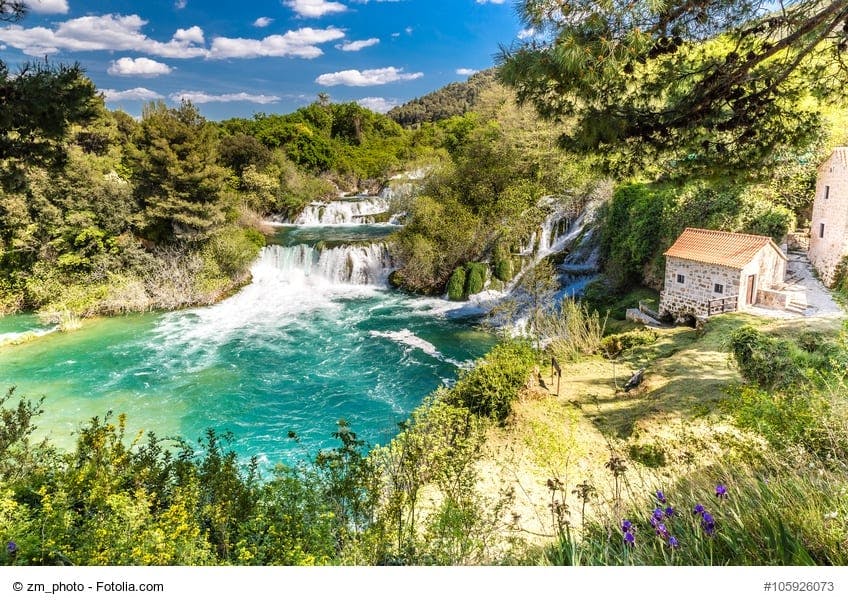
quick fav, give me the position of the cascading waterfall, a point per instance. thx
(367, 264)
(358, 211)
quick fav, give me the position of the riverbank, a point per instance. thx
(673, 426)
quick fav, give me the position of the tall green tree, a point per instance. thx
(716, 82)
(178, 182)
(38, 104)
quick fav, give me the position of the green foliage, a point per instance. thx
(38, 105)
(502, 262)
(766, 361)
(178, 181)
(455, 99)
(456, 285)
(701, 88)
(613, 345)
(490, 387)
(475, 278)
(630, 232)
(780, 517)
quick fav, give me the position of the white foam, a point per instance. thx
(413, 341)
(358, 211)
(11, 337)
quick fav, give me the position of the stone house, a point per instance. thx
(829, 224)
(709, 272)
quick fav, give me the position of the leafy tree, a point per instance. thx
(178, 182)
(240, 151)
(723, 82)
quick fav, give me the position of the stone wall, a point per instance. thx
(692, 297)
(826, 252)
(769, 266)
(776, 299)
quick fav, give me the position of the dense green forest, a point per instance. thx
(455, 99)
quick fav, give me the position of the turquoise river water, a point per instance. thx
(296, 350)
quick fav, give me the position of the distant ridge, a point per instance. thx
(452, 100)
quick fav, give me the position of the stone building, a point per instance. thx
(709, 272)
(829, 224)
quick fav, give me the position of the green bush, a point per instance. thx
(613, 345)
(456, 285)
(764, 360)
(490, 387)
(502, 262)
(475, 278)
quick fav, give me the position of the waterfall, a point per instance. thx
(555, 233)
(358, 211)
(366, 264)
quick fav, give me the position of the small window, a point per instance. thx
(718, 289)
(681, 278)
(821, 230)
(826, 192)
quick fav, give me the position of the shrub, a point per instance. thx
(475, 278)
(767, 361)
(502, 263)
(456, 285)
(489, 388)
(613, 345)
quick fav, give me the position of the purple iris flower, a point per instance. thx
(662, 530)
(669, 511)
(629, 539)
(699, 509)
(708, 523)
(626, 526)
(673, 543)
(12, 548)
(658, 514)
(721, 491)
(661, 497)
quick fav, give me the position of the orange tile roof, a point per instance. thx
(719, 247)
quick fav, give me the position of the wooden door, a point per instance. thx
(751, 294)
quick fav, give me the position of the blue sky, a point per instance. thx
(267, 56)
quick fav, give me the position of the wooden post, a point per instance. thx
(555, 366)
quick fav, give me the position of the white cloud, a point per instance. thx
(368, 77)
(123, 33)
(378, 104)
(490, 1)
(48, 7)
(192, 34)
(527, 33)
(180, 4)
(133, 94)
(357, 45)
(263, 22)
(125, 66)
(315, 8)
(298, 43)
(409, 30)
(465, 71)
(104, 32)
(201, 97)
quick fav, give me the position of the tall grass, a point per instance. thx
(792, 515)
(572, 331)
